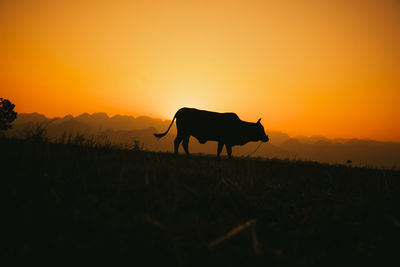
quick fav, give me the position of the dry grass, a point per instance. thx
(71, 205)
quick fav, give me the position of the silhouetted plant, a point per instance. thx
(103, 140)
(79, 139)
(7, 114)
(90, 141)
(65, 138)
(137, 145)
(37, 133)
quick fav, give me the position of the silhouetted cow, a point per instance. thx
(225, 128)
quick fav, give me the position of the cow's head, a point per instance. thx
(260, 133)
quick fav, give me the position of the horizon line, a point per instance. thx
(292, 136)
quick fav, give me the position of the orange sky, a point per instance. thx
(305, 67)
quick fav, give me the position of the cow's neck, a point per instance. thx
(247, 132)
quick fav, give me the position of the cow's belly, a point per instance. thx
(204, 135)
(220, 136)
(203, 140)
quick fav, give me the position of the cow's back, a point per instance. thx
(205, 125)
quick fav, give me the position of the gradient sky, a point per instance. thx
(306, 67)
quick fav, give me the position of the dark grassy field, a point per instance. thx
(68, 205)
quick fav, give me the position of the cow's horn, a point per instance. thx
(259, 120)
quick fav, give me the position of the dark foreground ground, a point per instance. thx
(67, 205)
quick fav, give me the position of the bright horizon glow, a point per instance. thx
(328, 68)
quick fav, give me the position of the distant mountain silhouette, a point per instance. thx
(122, 129)
(30, 117)
(312, 139)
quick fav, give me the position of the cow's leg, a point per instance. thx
(219, 149)
(229, 150)
(177, 142)
(185, 144)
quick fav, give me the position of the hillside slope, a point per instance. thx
(124, 129)
(69, 205)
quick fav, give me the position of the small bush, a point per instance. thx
(36, 134)
(137, 145)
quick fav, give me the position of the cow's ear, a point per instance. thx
(259, 120)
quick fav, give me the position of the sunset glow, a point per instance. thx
(327, 68)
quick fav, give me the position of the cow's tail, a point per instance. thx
(162, 134)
